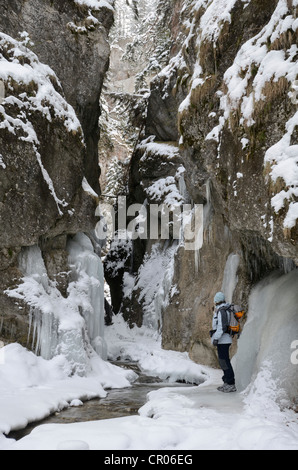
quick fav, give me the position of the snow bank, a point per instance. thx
(174, 419)
(193, 418)
(68, 335)
(31, 388)
(144, 346)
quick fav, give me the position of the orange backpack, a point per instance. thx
(233, 323)
(237, 314)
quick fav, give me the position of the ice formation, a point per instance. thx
(155, 290)
(269, 333)
(89, 288)
(230, 276)
(72, 326)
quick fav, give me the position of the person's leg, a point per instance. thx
(225, 363)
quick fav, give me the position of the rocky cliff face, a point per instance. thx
(53, 58)
(72, 38)
(226, 102)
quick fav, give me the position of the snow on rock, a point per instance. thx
(215, 15)
(20, 65)
(257, 64)
(166, 190)
(258, 68)
(262, 66)
(87, 188)
(158, 149)
(282, 159)
(96, 4)
(169, 190)
(32, 87)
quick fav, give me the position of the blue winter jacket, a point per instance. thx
(217, 325)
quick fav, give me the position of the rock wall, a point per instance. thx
(53, 58)
(226, 100)
(72, 39)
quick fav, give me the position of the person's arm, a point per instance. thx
(220, 327)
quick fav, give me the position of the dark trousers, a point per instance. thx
(225, 363)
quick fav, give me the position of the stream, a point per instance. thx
(118, 403)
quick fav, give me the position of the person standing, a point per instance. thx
(221, 338)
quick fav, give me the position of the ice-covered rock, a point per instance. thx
(71, 326)
(51, 76)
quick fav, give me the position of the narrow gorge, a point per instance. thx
(219, 131)
(149, 159)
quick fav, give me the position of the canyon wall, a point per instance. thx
(53, 59)
(226, 104)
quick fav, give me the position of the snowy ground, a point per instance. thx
(191, 418)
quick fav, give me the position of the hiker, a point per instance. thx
(222, 339)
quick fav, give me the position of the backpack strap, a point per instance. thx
(225, 319)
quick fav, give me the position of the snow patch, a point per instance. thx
(283, 160)
(96, 4)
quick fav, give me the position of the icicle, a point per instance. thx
(230, 279)
(59, 325)
(208, 205)
(89, 285)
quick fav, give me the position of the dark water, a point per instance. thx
(117, 404)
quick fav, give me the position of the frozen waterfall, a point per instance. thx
(72, 326)
(230, 276)
(87, 291)
(269, 334)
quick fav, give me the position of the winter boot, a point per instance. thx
(226, 388)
